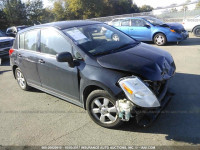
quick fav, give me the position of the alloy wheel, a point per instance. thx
(159, 39)
(20, 79)
(104, 110)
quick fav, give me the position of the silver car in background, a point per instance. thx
(193, 25)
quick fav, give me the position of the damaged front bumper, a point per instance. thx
(144, 116)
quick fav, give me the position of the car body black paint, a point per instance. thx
(103, 71)
(143, 60)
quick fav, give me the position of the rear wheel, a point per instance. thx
(160, 39)
(21, 80)
(196, 31)
(101, 108)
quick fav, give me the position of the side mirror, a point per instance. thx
(65, 57)
(148, 26)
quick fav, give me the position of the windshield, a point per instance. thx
(153, 21)
(100, 39)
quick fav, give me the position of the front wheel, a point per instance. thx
(160, 39)
(101, 108)
(196, 31)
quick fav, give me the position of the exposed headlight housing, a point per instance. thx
(137, 92)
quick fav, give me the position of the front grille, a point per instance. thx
(5, 44)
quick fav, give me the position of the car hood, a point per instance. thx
(146, 61)
(3, 39)
(174, 26)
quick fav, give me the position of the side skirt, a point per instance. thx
(73, 101)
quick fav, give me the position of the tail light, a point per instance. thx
(11, 51)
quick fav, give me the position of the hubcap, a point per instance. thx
(159, 39)
(104, 110)
(115, 37)
(20, 79)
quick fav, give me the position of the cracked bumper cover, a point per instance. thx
(144, 116)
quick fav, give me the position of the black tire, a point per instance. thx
(160, 39)
(101, 95)
(21, 80)
(196, 31)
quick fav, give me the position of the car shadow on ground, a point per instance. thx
(180, 120)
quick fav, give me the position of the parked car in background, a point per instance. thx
(113, 80)
(5, 44)
(193, 25)
(12, 31)
(146, 28)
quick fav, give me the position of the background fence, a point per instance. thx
(166, 15)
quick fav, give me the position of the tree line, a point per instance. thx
(30, 12)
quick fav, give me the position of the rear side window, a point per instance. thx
(30, 40)
(53, 43)
(21, 41)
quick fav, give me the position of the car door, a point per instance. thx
(27, 56)
(139, 30)
(124, 25)
(56, 76)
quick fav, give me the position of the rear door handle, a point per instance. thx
(41, 61)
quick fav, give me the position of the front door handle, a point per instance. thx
(41, 61)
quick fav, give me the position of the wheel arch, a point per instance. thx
(87, 92)
(86, 89)
(158, 33)
(195, 27)
(14, 67)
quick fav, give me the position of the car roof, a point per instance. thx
(63, 24)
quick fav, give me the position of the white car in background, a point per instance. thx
(192, 25)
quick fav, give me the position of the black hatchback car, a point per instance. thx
(115, 80)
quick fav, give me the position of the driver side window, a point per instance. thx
(138, 23)
(53, 43)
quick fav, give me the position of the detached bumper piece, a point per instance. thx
(144, 118)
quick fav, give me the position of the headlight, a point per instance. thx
(137, 92)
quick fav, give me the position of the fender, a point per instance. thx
(100, 78)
